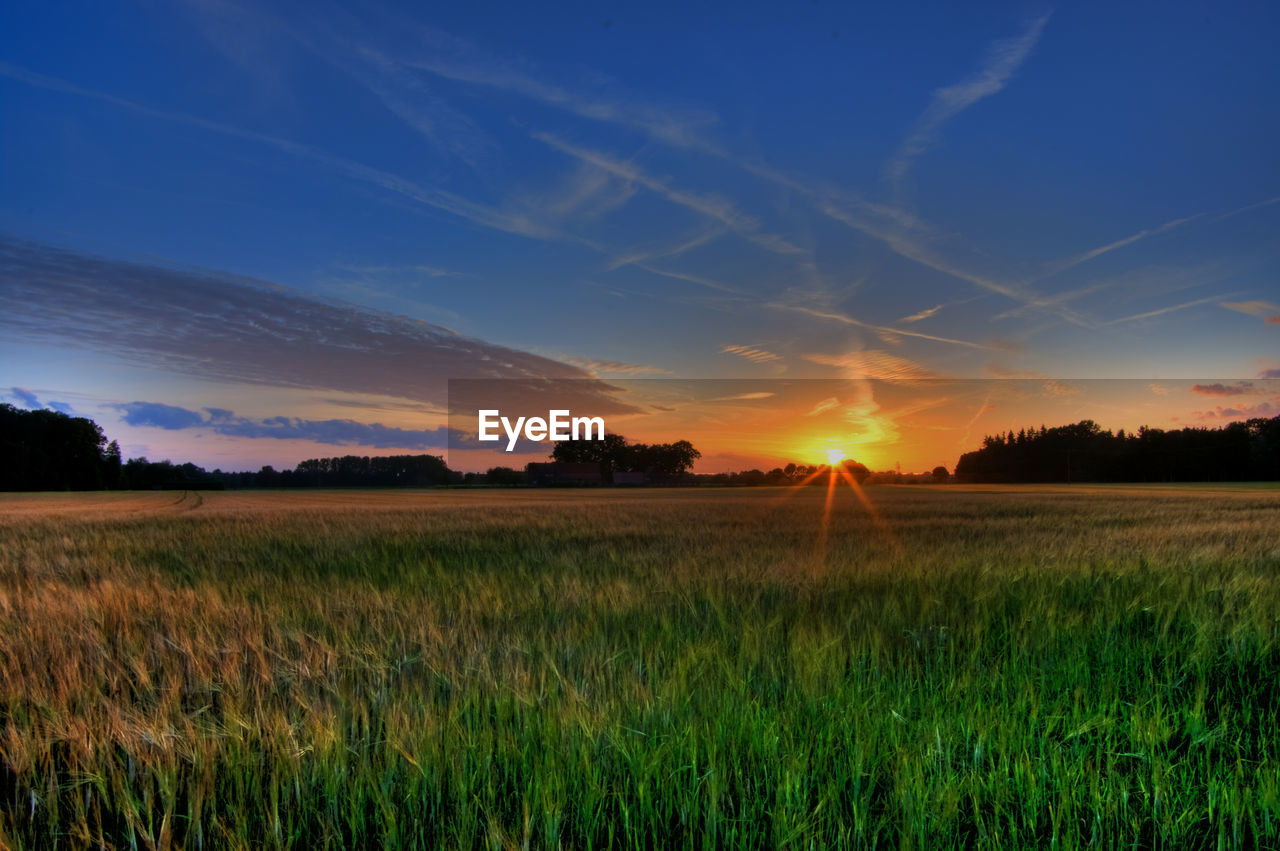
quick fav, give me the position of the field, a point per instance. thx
(942, 667)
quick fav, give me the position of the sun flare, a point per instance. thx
(835, 456)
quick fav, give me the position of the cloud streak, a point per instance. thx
(454, 59)
(1261, 309)
(871, 363)
(1003, 59)
(884, 331)
(713, 207)
(1161, 311)
(923, 314)
(596, 366)
(1119, 243)
(513, 222)
(751, 353)
(243, 331)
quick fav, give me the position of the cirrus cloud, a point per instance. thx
(239, 330)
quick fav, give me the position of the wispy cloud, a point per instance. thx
(984, 408)
(1002, 60)
(998, 371)
(520, 223)
(693, 279)
(1071, 262)
(449, 57)
(900, 230)
(744, 397)
(828, 404)
(881, 330)
(1249, 208)
(407, 270)
(1086, 256)
(1058, 389)
(1057, 301)
(711, 206)
(644, 255)
(238, 330)
(924, 314)
(456, 59)
(1161, 311)
(431, 116)
(588, 193)
(1258, 308)
(1150, 282)
(874, 364)
(751, 353)
(918, 247)
(613, 367)
(338, 38)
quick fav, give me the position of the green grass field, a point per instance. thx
(949, 667)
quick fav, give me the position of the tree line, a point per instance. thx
(1084, 452)
(660, 462)
(791, 474)
(352, 471)
(48, 450)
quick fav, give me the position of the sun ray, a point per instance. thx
(826, 517)
(876, 518)
(794, 489)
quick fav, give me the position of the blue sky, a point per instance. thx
(320, 213)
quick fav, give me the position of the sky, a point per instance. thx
(247, 233)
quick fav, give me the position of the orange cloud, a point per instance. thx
(825, 405)
(1220, 389)
(752, 354)
(1244, 412)
(872, 363)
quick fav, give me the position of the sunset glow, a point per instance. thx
(666, 425)
(416, 196)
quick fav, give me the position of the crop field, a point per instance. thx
(920, 667)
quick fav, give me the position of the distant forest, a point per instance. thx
(1084, 452)
(47, 450)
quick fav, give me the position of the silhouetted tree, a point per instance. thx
(1084, 452)
(504, 476)
(660, 461)
(48, 450)
(858, 471)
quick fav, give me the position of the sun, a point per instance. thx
(835, 456)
